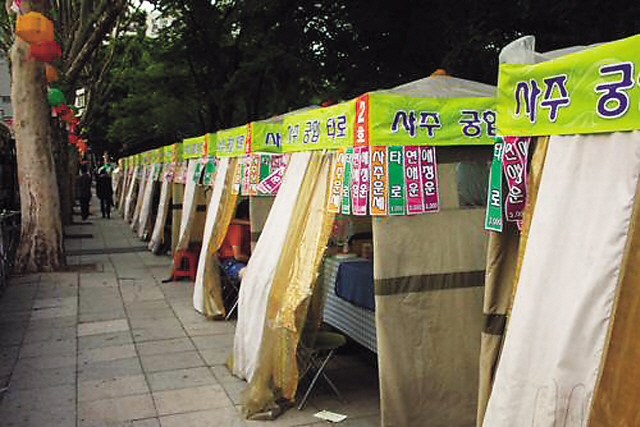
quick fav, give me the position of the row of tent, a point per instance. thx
(532, 325)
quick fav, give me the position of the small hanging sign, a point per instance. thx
(514, 159)
(355, 181)
(346, 182)
(379, 186)
(493, 218)
(429, 179)
(396, 181)
(362, 190)
(412, 180)
(335, 189)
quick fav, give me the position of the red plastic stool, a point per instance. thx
(185, 265)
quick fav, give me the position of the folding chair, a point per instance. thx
(315, 354)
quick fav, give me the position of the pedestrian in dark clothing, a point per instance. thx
(104, 191)
(84, 191)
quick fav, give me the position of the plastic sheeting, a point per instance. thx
(147, 206)
(256, 285)
(130, 200)
(213, 211)
(144, 180)
(157, 235)
(295, 277)
(566, 288)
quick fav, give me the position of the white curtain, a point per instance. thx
(212, 213)
(563, 303)
(256, 285)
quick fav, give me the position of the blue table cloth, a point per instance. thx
(354, 283)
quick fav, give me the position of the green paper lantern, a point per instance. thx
(55, 97)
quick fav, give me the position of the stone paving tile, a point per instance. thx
(53, 348)
(48, 313)
(291, 417)
(46, 362)
(110, 369)
(58, 322)
(110, 388)
(180, 378)
(190, 399)
(25, 378)
(149, 422)
(103, 327)
(157, 332)
(227, 417)
(206, 342)
(215, 356)
(105, 354)
(42, 397)
(116, 409)
(173, 345)
(34, 335)
(104, 340)
(171, 361)
(102, 314)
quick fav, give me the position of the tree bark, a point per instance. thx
(41, 234)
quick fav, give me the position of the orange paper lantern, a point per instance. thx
(51, 73)
(33, 27)
(46, 51)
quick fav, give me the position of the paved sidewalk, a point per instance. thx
(108, 344)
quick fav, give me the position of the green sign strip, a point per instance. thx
(400, 120)
(593, 90)
(318, 129)
(493, 218)
(346, 182)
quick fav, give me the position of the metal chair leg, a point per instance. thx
(235, 305)
(315, 378)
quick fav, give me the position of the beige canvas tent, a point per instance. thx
(568, 283)
(428, 271)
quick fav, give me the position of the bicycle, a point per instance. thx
(9, 237)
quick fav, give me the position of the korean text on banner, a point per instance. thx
(399, 120)
(320, 128)
(590, 91)
(355, 180)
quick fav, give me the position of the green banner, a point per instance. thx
(266, 137)
(396, 181)
(399, 120)
(233, 142)
(493, 218)
(346, 182)
(594, 90)
(193, 148)
(320, 128)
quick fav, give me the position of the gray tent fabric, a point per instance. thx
(429, 275)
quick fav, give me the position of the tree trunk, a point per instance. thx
(41, 235)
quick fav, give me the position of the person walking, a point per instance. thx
(104, 191)
(84, 191)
